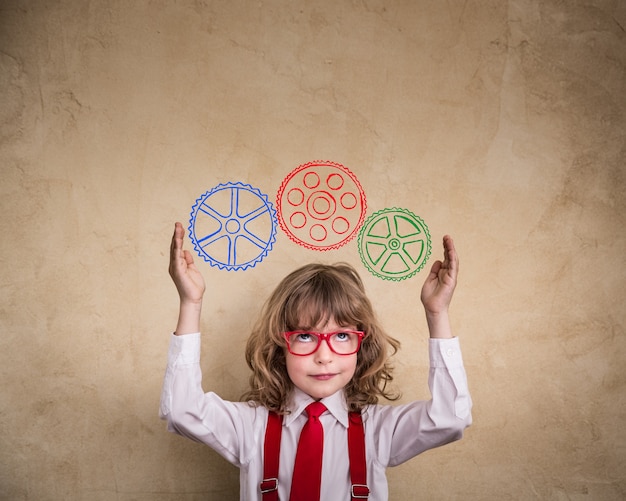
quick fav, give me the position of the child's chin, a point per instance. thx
(320, 395)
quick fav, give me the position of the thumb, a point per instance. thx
(434, 270)
(188, 257)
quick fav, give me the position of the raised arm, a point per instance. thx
(438, 290)
(422, 425)
(189, 283)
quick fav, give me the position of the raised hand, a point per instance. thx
(438, 289)
(189, 283)
(186, 277)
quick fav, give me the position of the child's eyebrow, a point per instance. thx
(343, 327)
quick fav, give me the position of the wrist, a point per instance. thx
(191, 304)
(188, 318)
(439, 324)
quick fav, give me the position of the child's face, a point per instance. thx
(322, 373)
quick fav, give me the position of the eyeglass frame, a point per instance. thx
(324, 337)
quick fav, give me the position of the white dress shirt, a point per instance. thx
(393, 433)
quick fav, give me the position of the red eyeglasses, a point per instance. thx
(344, 342)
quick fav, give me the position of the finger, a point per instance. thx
(449, 250)
(451, 256)
(448, 242)
(179, 232)
(176, 249)
(177, 240)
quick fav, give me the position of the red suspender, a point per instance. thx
(356, 452)
(271, 457)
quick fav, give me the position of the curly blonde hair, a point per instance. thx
(313, 294)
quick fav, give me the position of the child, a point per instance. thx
(317, 339)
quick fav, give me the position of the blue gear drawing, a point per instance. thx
(229, 220)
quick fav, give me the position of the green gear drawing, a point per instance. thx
(394, 244)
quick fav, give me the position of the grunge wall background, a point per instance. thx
(500, 122)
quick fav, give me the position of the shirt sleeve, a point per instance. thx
(227, 427)
(184, 351)
(404, 431)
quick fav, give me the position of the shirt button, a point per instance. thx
(449, 352)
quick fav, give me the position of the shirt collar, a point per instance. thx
(335, 403)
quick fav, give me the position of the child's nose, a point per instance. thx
(323, 354)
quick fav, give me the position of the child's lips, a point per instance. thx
(323, 377)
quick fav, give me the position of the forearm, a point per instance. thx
(439, 325)
(188, 318)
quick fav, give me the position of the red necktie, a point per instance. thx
(307, 473)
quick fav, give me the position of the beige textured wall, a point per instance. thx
(500, 122)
